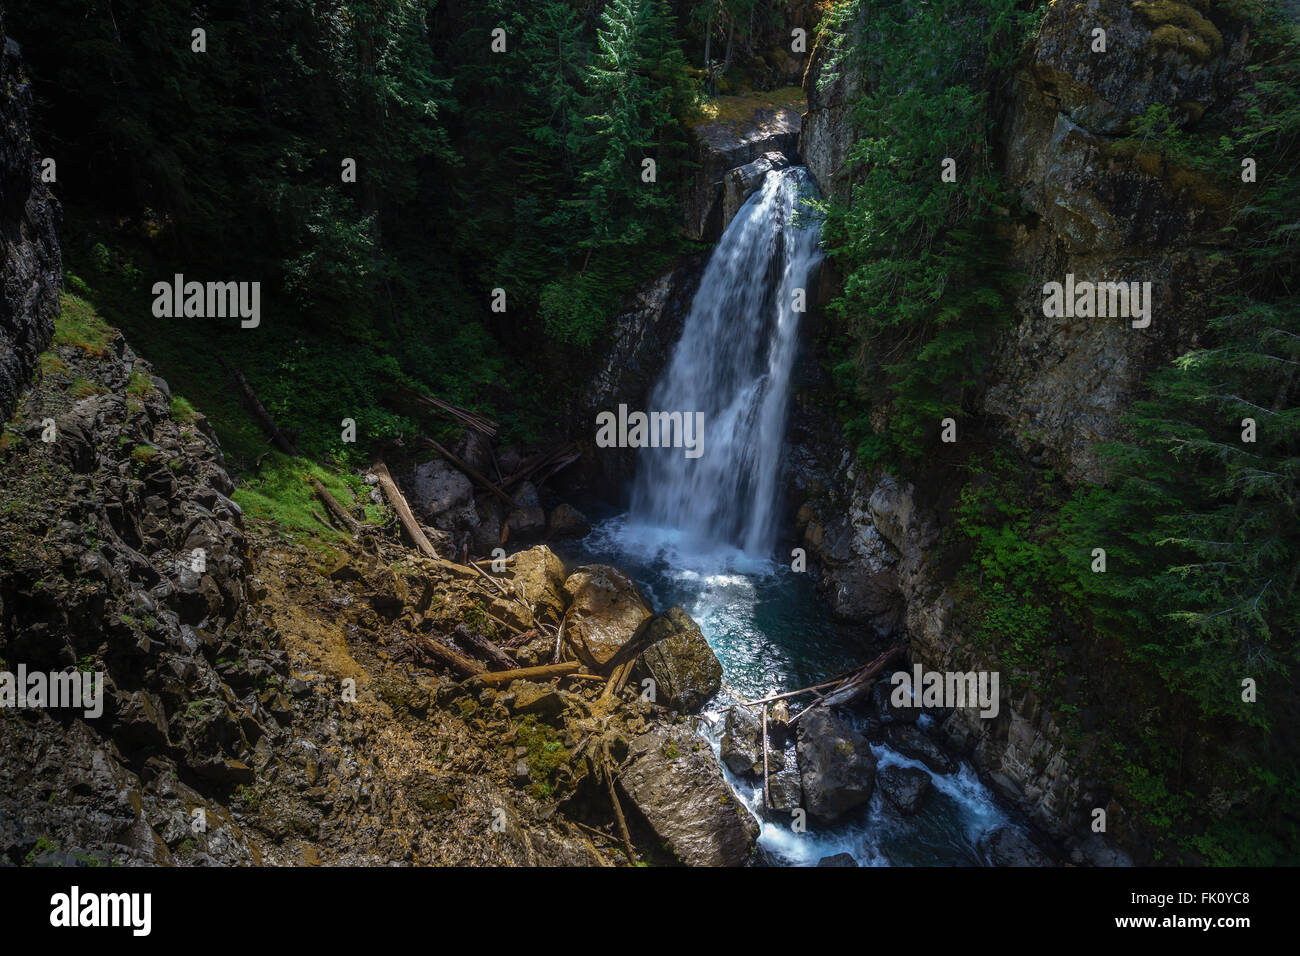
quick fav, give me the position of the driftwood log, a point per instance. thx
(332, 503)
(396, 499)
(543, 672)
(263, 417)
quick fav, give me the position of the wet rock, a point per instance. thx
(912, 742)
(740, 745)
(743, 181)
(685, 670)
(836, 767)
(678, 787)
(905, 787)
(839, 859)
(606, 611)
(1009, 846)
(785, 789)
(567, 521)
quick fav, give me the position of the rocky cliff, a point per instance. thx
(1102, 210)
(29, 218)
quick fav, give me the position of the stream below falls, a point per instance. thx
(701, 533)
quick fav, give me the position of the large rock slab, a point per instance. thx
(437, 490)
(685, 670)
(836, 766)
(537, 576)
(29, 243)
(723, 144)
(606, 611)
(677, 785)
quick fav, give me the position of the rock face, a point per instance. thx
(826, 133)
(1100, 210)
(720, 146)
(606, 611)
(1106, 212)
(677, 786)
(685, 670)
(836, 766)
(641, 339)
(29, 220)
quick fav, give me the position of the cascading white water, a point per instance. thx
(733, 364)
(700, 532)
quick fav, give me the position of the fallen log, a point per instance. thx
(470, 470)
(337, 509)
(395, 498)
(464, 416)
(445, 655)
(859, 684)
(481, 647)
(263, 417)
(767, 796)
(542, 672)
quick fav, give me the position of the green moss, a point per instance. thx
(280, 491)
(80, 325)
(143, 454)
(548, 759)
(1179, 26)
(183, 411)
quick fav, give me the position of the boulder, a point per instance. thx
(567, 521)
(911, 742)
(836, 767)
(538, 578)
(685, 670)
(540, 699)
(740, 748)
(784, 789)
(438, 490)
(605, 612)
(839, 859)
(1009, 846)
(527, 522)
(673, 779)
(905, 787)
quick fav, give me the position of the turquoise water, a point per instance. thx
(772, 633)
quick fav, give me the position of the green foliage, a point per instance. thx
(1006, 517)
(924, 287)
(281, 492)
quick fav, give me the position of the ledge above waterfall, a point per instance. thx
(734, 131)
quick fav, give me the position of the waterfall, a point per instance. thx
(733, 364)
